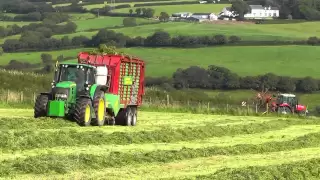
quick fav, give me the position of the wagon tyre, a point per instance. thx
(99, 106)
(128, 117)
(40, 107)
(82, 113)
(134, 116)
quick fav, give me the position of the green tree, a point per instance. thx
(130, 11)
(138, 11)
(129, 21)
(240, 7)
(164, 16)
(149, 13)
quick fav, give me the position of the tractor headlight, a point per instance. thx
(63, 96)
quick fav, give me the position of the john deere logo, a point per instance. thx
(127, 80)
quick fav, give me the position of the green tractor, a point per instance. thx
(82, 92)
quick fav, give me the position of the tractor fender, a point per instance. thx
(95, 88)
(47, 94)
(300, 107)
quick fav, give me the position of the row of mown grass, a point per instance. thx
(30, 139)
(65, 163)
(305, 169)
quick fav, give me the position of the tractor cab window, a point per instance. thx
(286, 99)
(78, 74)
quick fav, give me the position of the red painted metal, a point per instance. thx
(114, 63)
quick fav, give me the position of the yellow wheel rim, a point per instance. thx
(87, 114)
(101, 110)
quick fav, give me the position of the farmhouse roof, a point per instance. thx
(256, 6)
(261, 7)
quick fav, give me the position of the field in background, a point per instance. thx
(170, 9)
(297, 61)
(256, 32)
(93, 6)
(174, 145)
(103, 22)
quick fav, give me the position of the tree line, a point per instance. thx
(220, 78)
(289, 9)
(38, 37)
(48, 25)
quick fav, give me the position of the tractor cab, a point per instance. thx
(76, 76)
(287, 99)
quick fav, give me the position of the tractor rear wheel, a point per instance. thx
(40, 107)
(284, 110)
(99, 106)
(82, 111)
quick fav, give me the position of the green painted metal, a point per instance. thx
(56, 108)
(72, 92)
(66, 84)
(113, 102)
(93, 90)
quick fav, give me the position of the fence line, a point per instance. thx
(30, 98)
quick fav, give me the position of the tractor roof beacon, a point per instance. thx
(98, 90)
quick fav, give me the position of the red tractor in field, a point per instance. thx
(282, 103)
(288, 103)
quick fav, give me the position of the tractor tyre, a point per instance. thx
(99, 106)
(40, 107)
(82, 111)
(134, 116)
(284, 110)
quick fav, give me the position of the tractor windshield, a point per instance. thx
(78, 74)
(285, 99)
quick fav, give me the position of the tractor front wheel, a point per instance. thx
(99, 106)
(40, 107)
(82, 112)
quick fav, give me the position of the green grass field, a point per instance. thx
(170, 9)
(103, 22)
(162, 145)
(19, 23)
(267, 32)
(298, 61)
(245, 31)
(93, 6)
